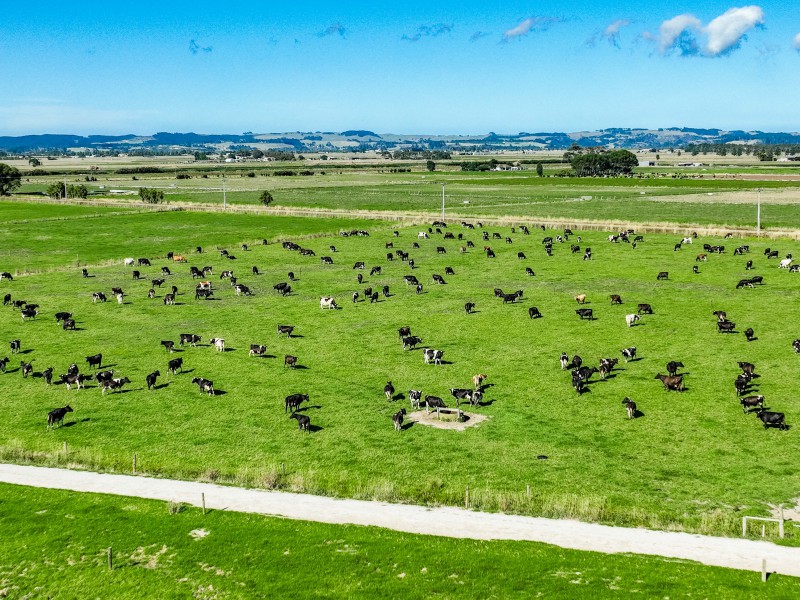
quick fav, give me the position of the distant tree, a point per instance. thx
(540, 169)
(34, 162)
(151, 196)
(77, 191)
(55, 190)
(265, 198)
(599, 164)
(200, 156)
(9, 179)
(658, 157)
(430, 165)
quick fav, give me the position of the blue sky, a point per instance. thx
(410, 67)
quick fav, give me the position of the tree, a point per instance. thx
(34, 162)
(540, 169)
(430, 165)
(151, 196)
(600, 164)
(77, 191)
(9, 179)
(265, 198)
(56, 190)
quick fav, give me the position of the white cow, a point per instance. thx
(631, 319)
(784, 264)
(129, 262)
(422, 235)
(327, 302)
(686, 240)
(219, 344)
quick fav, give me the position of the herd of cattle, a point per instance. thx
(205, 290)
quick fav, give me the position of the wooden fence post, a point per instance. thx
(763, 569)
(134, 462)
(744, 526)
(780, 523)
(466, 498)
(203, 497)
(528, 490)
(110, 559)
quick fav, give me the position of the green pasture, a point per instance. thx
(59, 549)
(692, 461)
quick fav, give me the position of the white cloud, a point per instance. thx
(796, 42)
(527, 25)
(721, 35)
(610, 33)
(672, 30)
(727, 30)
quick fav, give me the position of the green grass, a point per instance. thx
(59, 550)
(38, 244)
(13, 211)
(694, 461)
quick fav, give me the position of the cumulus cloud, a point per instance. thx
(422, 31)
(687, 35)
(195, 48)
(333, 29)
(528, 25)
(610, 33)
(726, 32)
(796, 42)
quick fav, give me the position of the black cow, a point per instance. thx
(143, 262)
(469, 307)
(757, 279)
(62, 316)
(411, 342)
(410, 280)
(3, 364)
(772, 419)
(95, 360)
(26, 368)
(16, 345)
(359, 265)
(749, 334)
(293, 401)
(6, 299)
(170, 298)
(438, 279)
(374, 297)
(103, 375)
(56, 416)
(68, 324)
(29, 313)
(174, 365)
(136, 275)
(725, 326)
(157, 282)
(397, 419)
(630, 407)
(303, 421)
(433, 402)
(461, 394)
(289, 361)
(534, 313)
(585, 313)
(404, 332)
(151, 379)
(645, 309)
(388, 389)
(169, 345)
(616, 299)
(47, 375)
(673, 366)
(385, 291)
(113, 384)
(662, 275)
(529, 271)
(748, 265)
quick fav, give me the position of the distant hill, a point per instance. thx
(361, 139)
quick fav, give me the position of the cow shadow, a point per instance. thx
(637, 359)
(444, 362)
(399, 396)
(219, 392)
(296, 335)
(186, 371)
(305, 408)
(267, 356)
(609, 376)
(26, 351)
(160, 386)
(407, 425)
(486, 402)
(300, 367)
(753, 339)
(314, 428)
(638, 414)
(128, 391)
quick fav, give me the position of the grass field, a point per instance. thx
(60, 542)
(692, 461)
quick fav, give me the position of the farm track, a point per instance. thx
(421, 217)
(441, 521)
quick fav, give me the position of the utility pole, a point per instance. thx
(758, 214)
(65, 188)
(224, 197)
(443, 184)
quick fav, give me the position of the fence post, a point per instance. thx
(466, 498)
(203, 497)
(66, 447)
(110, 559)
(744, 526)
(528, 490)
(134, 462)
(780, 523)
(764, 569)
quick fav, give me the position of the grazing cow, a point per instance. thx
(748, 265)
(725, 326)
(195, 272)
(359, 265)
(585, 373)
(677, 247)
(585, 313)
(116, 290)
(293, 401)
(326, 260)
(429, 355)
(280, 286)
(181, 259)
(68, 324)
(616, 299)
(749, 402)
(120, 298)
(587, 255)
(95, 361)
(564, 359)
(165, 271)
(410, 280)
(701, 258)
(773, 254)
(796, 346)
(411, 342)
(189, 338)
(157, 282)
(136, 275)
(521, 255)
(449, 271)
(16, 345)
(489, 253)
(103, 375)
(673, 366)
(243, 290)
(784, 264)
(404, 332)
(671, 382)
(143, 262)
(397, 419)
(580, 298)
(388, 389)
(644, 309)
(6, 275)
(438, 279)
(29, 313)
(285, 329)
(289, 361)
(374, 297)
(414, 397)
(744, 283)
(204, 385)
(355, 297)
(385, 291)
(6, 299)
(226, 274)
(441, 250)
(630, 407)
(47, 375)
(303, 421)
(511, 297)
(529, 271)
(169, 299)
(461, 394)
(774, 419)
(720, 314)
(662, 275)
(128, 262)
(469, 307)
(218, 343)
(98, 297)
(327, 302)
(26, 368)
(749, 334)
(631, 319)
(174, 365)
(56, 416)
(151, 379)
(419, 289)
(113, 384)
(477, 380)
(375, 271)
(169, 345)
(695, 269)
(757, 279)
(433, 402)
(534, 313)
(257, 350)
(629, 353)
